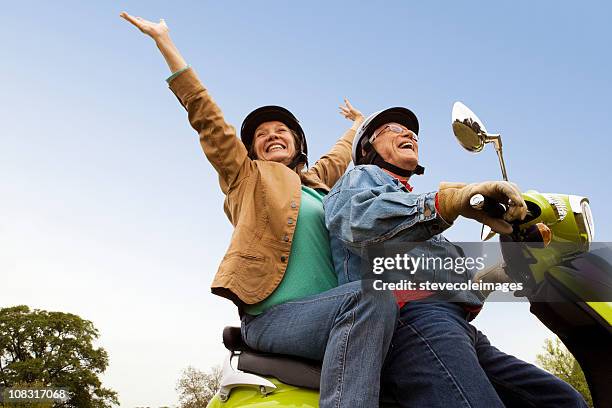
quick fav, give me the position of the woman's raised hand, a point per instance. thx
(349, 112)
(159, 32)
(153, 30)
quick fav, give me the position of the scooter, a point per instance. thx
(567, 281)
(567, 277)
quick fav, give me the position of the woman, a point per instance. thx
(278, 268)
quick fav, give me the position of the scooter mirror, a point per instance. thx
(472, 135)
(468, 129)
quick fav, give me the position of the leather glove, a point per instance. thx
(454, 200)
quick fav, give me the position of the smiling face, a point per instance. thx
(274, 141)
(400, 149)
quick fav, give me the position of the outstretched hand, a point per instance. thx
(153, 30)
(349, 112)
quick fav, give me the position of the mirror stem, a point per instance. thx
(496, 140)
(502, 164)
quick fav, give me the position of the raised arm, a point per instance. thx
(332, 165)
(218, 139)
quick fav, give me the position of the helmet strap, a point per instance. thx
(299, 158)
(372, 157)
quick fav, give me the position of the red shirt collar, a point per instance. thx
(401, 179)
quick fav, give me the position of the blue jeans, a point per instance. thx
(438, 359)
(346, 328)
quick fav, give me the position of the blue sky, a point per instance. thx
(108, 208)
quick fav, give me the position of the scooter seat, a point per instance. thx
(296, 371)
(288, 369)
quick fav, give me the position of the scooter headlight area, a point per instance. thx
(568, 216)
(581, 218)
(584, 218)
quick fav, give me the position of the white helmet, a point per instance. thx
(364, 136)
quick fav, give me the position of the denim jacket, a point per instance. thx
(370, 212)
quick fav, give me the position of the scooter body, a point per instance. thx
(284, 396)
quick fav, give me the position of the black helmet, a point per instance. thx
(274, 113)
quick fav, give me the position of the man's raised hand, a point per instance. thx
(349, 112)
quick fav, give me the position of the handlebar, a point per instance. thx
(488, 205)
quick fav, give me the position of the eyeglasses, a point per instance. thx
(396, 129)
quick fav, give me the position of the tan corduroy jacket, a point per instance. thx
(262, 198)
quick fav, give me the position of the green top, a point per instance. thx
(177, 73)
(310, 269)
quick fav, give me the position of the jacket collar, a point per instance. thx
(403, 180)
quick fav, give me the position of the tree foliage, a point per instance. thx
(559, 361)
(197, 388)
(54, 349)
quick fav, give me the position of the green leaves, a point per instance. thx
(53, 349)
(557, 360)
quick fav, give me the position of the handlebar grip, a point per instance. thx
(488, 205)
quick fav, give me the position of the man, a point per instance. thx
(437, 358)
